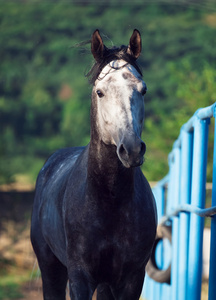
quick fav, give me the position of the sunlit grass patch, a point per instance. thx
(10, 290)
(10, 286)
(11, 281)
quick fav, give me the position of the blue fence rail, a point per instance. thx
(180, 199)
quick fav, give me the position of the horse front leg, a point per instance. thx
(131, 289)
(104, 292)
(54, 274)
(80, 286)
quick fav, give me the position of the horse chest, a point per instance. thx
(108, 244)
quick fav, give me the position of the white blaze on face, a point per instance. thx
(120, 100)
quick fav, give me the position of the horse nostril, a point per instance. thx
(122, 149)
(131, 152)
(142, 148)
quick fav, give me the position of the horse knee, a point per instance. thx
(104, 292)
(80, 287)
(132, 288)
(80, 291)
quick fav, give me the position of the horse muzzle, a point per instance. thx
(131, 151)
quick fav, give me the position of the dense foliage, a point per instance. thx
(45, 96)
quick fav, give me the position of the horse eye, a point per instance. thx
(144, 90)
(100, 94)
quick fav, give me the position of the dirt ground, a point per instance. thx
(32, 290)
(15, 214)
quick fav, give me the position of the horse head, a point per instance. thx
(118, 95)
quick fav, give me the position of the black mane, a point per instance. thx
(115, 53)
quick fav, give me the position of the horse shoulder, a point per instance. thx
(142, 189)
(145, 204)
(49, 194)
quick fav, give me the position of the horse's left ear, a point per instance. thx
(135, 44)
(97, 46)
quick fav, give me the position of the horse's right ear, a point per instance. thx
(97, 46)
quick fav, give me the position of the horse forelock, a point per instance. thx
(115, 53)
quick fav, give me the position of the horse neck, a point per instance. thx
(106, 174)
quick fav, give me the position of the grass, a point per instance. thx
(11, 290)
(11, 281)
(10, 286)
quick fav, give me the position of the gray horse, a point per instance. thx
(94, 216)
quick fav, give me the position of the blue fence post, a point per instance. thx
(148, 289)
(174, 202)
(151, 289)
(159, 195)
(200, 145)
(185, 194)
(212, 272)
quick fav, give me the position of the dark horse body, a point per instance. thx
(94, 217)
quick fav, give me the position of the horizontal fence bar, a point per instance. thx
(202, 212)
(201, 114)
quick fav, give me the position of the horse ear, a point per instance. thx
(97, 45)
(135, 44)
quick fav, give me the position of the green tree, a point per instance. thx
(45, 96)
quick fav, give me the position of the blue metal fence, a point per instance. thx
(180, 199)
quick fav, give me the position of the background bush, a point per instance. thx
(45, 96)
